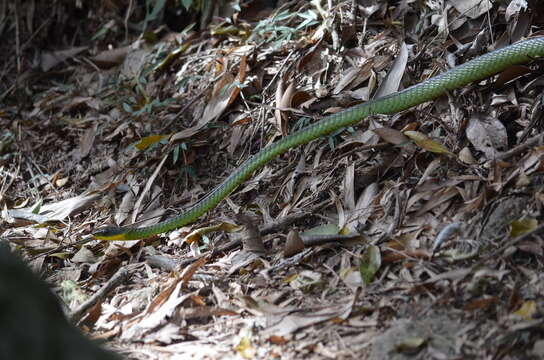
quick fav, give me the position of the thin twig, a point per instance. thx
(512, 242)
(521, 148)
(120, 276)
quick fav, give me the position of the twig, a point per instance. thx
(512, 242)
(265, 230)
(120, 276)
(521, 148)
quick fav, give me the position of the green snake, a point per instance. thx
(474, 70)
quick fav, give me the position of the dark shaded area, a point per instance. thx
(32, 324)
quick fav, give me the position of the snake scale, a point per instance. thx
(471, 71)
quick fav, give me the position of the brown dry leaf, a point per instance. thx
(157, 312)
(487, 134)
(465, 155)
(146, 189)
(363, 208)
(127, 204)
(51, 59)
(511, 73)
(84, 255)
(396, 256)
(184, 134)
(291, 323)
(438, 198)
(346, 79)
(190, 270)
(86, 143)
(433, 165)
(110, 58)
(241, 78)
(514, 8)
(309, 55)
(454, 275)
(293, 245)
(283, 101)
(225, 91)
(134, 62)
(301, 97)
(472, 8)
(482, 303)
(81, 102)
(395, 74)
(392, 136)
(349, 189)
(278, 340)
(221, 96)
(427, 143)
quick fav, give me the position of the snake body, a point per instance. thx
(474, 70)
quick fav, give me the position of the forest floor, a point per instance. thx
(410, 236)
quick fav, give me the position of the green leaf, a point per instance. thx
(521, 226)
(175, 154)
(326, 229)
(147, 141)
(37, 207)
(370, 263)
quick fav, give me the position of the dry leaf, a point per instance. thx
(427, 143)
(487, 134)
(392, 81)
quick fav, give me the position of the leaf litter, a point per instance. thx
(411, 216)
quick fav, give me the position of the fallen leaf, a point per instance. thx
(370, 263)
(427, 143)
(245, 349)
(522, 226)
(395, 74)
(527, 310)
(487, 134)
(147, 141)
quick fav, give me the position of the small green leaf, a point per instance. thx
(370, 263)
(175, 155)
(326, 229)
(521, 226)
(148, 141)
(37, 207)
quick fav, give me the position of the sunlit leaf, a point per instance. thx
(527, 310)
(148, 141)
(410, 344)
(520, 227)
(427, 143)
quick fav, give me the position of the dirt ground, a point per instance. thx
(410, 236)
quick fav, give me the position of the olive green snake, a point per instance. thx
(471, 71)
